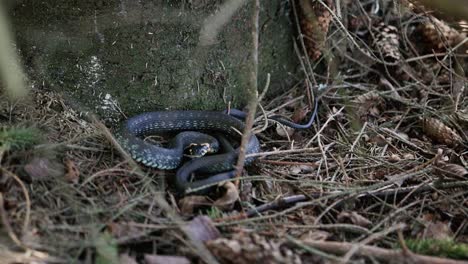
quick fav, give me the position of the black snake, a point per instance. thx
(170, 158)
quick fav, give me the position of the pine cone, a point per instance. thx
(315, 20)
(439, 132)
(387, 42)
(417, 8)
(251, 248)
(437, 72)
(439, 35)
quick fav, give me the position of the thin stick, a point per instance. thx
(6, 224)
(289, 163)
(331, 118)
(260, 98)
(358, 137)
(26, 198)
(252, 92)
(278, 152)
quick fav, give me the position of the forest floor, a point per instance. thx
(380, 177)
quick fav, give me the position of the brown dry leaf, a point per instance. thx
(226, 202)
(387, 42)
(315, 20)
(452, 170)
(300, 113)
(160, 259)
(398, 182)
(73, 174)
(438, 131)
(396, 134)
(42, 168)
(394, 158)
(354, 218)
(125, 230)
(436, 230)
(247, 248)
(315, 235)
(303, 168)
(188, 204)
(295, 170)
(379, 140)
(202, 229)
(369, 105)
(284, 131)
(409, 156)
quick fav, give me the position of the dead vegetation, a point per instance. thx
(381, 177)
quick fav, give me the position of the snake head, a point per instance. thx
(196, 150)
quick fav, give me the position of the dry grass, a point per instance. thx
(367, 176)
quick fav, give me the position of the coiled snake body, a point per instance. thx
(170, 158)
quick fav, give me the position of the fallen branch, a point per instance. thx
(290, 201)
(386, 255)
(252, 93)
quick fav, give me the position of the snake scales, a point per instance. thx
(130, 137)
(204, 121)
